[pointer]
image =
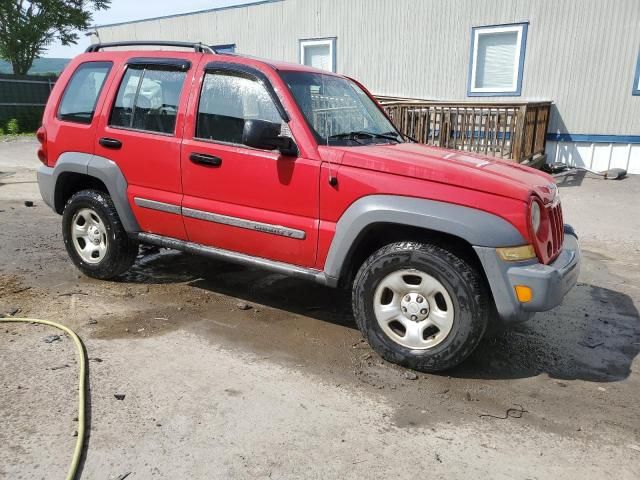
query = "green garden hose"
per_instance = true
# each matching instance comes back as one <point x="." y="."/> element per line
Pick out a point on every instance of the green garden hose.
<point x="82" y="380"/>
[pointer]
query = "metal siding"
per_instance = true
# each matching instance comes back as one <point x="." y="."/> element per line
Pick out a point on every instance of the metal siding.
<point x="580" y="53"/>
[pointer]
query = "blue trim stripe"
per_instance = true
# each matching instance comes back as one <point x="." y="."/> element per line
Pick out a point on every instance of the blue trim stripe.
<point x="175" y="15"/>
<point x="523" y="49"/>
<point x="590" y="138"/>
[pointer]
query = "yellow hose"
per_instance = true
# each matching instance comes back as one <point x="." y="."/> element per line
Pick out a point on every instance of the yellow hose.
<point x="71" y="475"/>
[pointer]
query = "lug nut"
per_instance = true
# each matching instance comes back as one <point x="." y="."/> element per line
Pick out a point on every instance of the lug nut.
<point x="407" y="298"/>
<point x="423" y="311"/>
<point x="414" y="318"/>
<point x="404" y="309"/>
<point x="419" y="299"/>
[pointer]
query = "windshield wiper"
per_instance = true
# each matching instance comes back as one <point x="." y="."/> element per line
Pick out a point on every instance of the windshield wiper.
<point x="363" y="134"/>
<point x="402" y="135"/>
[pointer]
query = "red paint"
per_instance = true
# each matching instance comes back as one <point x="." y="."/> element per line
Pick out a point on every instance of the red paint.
<point x="264" y="186"/>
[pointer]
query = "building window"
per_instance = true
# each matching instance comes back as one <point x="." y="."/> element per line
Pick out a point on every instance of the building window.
<point x="636" y="79"/>
<point x="319" y="53"/>
<point x="228" y="48"/>
<point x="497" y="60"/>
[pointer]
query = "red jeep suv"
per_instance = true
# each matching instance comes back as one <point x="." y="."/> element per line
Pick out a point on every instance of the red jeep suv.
<point x="301" y="172"/>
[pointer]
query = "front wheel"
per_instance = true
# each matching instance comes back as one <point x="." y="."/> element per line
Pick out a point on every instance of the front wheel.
<point x="420" y="306"/>
<point x="94" y="236"/>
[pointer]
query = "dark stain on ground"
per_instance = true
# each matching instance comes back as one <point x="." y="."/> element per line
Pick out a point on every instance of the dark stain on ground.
<point x="594" y="335"/>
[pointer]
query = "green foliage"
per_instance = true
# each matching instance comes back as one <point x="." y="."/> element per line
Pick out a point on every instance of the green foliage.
<point x="13" y="128"/>
<point x="27" y="28"/>
<point x="1" y="131"/>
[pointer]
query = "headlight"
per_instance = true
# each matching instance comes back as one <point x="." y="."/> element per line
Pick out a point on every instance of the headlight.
<point x="535" y="216"/>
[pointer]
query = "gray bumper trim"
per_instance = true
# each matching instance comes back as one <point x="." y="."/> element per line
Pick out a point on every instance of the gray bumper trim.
<point x="550" y="283"/>
<point x="46" y="183"/>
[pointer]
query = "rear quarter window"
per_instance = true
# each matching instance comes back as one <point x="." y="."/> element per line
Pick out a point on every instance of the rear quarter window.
<point x="81" y="94"/>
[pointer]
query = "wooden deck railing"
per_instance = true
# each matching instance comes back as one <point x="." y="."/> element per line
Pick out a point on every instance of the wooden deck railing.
<point x="514" y="131"/>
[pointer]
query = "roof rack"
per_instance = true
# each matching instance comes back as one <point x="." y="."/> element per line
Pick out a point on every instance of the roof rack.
<point x="198" y="47"/>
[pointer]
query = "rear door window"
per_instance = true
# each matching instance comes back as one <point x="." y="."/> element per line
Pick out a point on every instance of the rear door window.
<point x="148" y="99"/>
<point x="81" y="95"/>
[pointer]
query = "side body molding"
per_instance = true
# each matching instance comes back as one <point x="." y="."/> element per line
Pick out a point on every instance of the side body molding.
<point x="475" y="226"/>
<point x="95" y="166"/>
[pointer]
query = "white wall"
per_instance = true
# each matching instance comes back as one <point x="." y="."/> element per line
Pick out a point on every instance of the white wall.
<point x="595" y="156"/>
<point x="581" y="54"/>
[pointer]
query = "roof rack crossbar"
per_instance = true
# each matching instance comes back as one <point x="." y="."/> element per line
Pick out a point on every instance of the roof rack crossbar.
<point x="198" y="47"/>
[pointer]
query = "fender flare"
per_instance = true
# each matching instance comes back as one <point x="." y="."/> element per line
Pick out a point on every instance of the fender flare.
<point x="105" y="170"/>
<point x="475" y="226"/>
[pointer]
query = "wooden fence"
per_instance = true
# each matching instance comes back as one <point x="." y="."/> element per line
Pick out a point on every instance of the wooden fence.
<point x="24" y="97"/>
<point x="515" y="131"/>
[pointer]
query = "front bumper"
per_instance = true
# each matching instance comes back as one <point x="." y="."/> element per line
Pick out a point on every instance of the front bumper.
<point x="549" y="283"/>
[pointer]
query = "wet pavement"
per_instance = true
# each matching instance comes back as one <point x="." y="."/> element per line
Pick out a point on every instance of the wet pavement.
<point x="176" y="317"/>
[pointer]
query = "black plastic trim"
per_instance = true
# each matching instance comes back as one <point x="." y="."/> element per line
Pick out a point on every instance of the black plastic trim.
<point x="177" y="63"/>
<point x="197" y="47"/>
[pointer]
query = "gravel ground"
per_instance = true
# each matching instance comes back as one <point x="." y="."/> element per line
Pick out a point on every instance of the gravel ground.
<point x="287" y="388"/>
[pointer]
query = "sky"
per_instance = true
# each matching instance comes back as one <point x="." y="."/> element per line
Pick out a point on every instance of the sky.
<point x="127" y="10"/>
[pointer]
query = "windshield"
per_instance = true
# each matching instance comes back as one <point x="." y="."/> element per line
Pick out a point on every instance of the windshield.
<point x="338" y="111"/>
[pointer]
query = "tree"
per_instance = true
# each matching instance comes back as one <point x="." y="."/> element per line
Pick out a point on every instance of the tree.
<point x="27" y="28"/>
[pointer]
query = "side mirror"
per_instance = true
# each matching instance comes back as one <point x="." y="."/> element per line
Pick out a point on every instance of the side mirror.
<point x="266" y="135"/>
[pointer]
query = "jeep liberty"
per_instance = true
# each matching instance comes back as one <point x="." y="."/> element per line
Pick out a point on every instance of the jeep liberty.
<point x="301" y="172"/>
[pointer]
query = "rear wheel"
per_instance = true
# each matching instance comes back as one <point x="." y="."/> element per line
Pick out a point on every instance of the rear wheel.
<point x="420" y="306"/>
<point x="94" y="236"/>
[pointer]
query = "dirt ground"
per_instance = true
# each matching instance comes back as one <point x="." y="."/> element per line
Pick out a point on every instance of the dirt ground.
<point x="287" y="388"/>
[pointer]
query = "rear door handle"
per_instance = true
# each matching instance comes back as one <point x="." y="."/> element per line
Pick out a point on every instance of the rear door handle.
<point x="204" y="159"/>
<point x="111" y="143"/>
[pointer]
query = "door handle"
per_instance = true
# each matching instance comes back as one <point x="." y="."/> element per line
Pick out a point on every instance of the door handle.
<point x="204" y="159"/>
<point x="111" y="143"/>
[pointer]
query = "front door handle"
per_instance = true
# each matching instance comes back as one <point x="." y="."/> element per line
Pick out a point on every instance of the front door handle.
<point x="204" y="159"/>
<point x="111" y="143"/>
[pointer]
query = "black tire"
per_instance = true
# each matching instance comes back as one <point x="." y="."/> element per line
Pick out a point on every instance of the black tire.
<point x="461" y="281"/>
<point x="121" y="251"/>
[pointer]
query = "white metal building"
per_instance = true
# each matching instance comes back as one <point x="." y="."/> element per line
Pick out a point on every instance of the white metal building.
<point x="584" y="55"/>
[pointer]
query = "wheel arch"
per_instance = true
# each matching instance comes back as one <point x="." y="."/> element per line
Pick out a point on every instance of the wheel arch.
<point x="69" y="183"/>
<point x="376" y="220"/>
<point x="376" y="235"/>
<point x="76" y="171"/>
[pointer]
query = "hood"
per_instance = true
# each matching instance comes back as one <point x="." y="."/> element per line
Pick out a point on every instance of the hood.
<point x="453" y="167"/>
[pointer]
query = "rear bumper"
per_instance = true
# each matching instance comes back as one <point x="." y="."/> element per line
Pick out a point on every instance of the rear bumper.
<point x="46" y="184"/>
<point x="549" y="283"/>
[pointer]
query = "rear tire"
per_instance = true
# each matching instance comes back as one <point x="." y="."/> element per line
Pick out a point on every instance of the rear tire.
<point x="420" y="306"/>
<point x="94" y="237"/>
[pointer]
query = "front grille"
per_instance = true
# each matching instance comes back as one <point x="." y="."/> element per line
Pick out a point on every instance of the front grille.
<point x="557" y="230"/>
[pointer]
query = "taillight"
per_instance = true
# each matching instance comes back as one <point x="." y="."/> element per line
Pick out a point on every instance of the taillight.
<point x="41" y="135"/>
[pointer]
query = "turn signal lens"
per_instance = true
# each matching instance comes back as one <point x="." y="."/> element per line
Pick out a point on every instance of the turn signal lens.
<point x="514" y="254"/>
<point x="524" y="293"/>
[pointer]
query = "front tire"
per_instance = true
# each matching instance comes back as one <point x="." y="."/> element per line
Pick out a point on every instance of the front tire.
<point x="94" y="237"/>
<point x="420" y="306"/>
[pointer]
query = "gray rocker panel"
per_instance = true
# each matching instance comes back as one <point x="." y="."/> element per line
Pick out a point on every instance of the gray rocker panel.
<point x="235" y="257"/>
<point x="475" y="226"/>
